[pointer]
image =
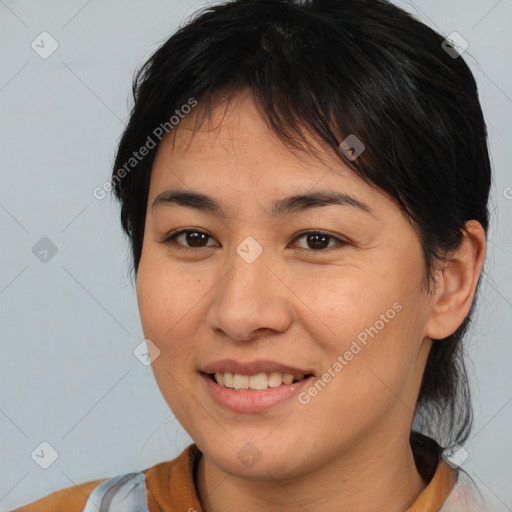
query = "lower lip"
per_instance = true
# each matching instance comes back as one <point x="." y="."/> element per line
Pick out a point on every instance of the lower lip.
<point x="252" y="401"/>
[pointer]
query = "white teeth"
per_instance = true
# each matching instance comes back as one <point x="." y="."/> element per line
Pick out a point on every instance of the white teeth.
<point x="255" y="382"/>
<point x="240" y="381"/>
<point x="228" y="380"/>
<point x="259" y="381"/>
<point x="275" y="379"/>
<point x="287" y="378"/>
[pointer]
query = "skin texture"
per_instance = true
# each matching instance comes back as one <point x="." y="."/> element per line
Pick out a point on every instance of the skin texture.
<point x="347" y="449"/>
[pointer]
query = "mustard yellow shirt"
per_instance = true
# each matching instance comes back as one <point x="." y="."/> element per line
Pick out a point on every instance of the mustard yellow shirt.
<point x="170" y="488"/>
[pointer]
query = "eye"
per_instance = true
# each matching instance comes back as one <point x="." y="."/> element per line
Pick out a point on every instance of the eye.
<point x="318" y="241"/>
<point x="188" y="239"/>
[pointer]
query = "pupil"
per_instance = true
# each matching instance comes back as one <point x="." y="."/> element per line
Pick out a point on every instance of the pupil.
<point x="194" y="238"/>
<point x="318" y="241"/>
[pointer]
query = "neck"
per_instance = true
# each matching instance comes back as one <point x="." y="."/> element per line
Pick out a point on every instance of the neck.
<point x="385" y="479"/>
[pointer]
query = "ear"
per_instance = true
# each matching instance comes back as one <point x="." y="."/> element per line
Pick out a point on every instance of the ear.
<point x="456" y="284"/>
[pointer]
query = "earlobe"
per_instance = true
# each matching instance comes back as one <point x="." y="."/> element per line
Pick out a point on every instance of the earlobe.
<point x="456" y="284"/>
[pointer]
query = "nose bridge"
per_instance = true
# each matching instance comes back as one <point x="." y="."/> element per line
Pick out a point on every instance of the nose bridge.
<point x="249" y="297"/>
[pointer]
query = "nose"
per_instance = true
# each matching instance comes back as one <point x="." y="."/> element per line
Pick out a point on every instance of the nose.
<point x="251" y="300"/>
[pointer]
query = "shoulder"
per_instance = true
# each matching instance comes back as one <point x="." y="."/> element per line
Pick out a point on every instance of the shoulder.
<point x="466" y="496"/>
<point x="170" y="483"/>
<point x="123" y="492"/>
<point x="70" y="499"/>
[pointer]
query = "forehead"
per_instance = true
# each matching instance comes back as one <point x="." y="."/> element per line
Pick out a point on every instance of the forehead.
<point x="233" y="164"/>
<point x="234" y="141"/>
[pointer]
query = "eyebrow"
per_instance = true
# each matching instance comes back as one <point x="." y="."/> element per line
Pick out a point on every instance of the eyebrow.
<point x="279" y="207"/>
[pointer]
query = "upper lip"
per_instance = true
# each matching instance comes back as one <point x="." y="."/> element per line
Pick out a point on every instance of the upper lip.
<point x="253" y="367"/>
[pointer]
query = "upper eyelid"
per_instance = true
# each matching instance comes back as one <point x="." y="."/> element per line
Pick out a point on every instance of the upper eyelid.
<point x="340" y="240"/>
<point x="173" y="235"/>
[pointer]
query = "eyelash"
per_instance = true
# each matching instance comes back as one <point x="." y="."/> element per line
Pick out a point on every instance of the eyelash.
<point x="170" y="240"/>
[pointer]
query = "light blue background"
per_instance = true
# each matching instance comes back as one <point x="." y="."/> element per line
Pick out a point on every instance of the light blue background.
<point x="69" y="326"/>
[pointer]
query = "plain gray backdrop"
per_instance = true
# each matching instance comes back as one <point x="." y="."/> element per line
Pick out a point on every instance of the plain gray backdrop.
<point x="69" y="317"/>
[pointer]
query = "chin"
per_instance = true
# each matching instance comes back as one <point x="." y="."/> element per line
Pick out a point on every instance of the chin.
<point x="261" y="460"/>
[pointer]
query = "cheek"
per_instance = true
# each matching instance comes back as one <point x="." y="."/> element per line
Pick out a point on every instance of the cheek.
<point x="369" y="326"/>
<point x="166" y="297"/>
<point x="364" y="382"/>
<point x="164" y="309"/>
<point x="339" y="302"/>
<point x="161" y="306"/>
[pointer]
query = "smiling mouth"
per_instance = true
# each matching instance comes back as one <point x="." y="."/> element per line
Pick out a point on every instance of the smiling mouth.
<point x="258" y="382"/>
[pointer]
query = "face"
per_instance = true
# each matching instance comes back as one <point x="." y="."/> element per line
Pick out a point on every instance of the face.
<point x="325" y="287"/>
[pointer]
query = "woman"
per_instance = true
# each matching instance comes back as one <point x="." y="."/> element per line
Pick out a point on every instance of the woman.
<point x="304" y="185"/>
